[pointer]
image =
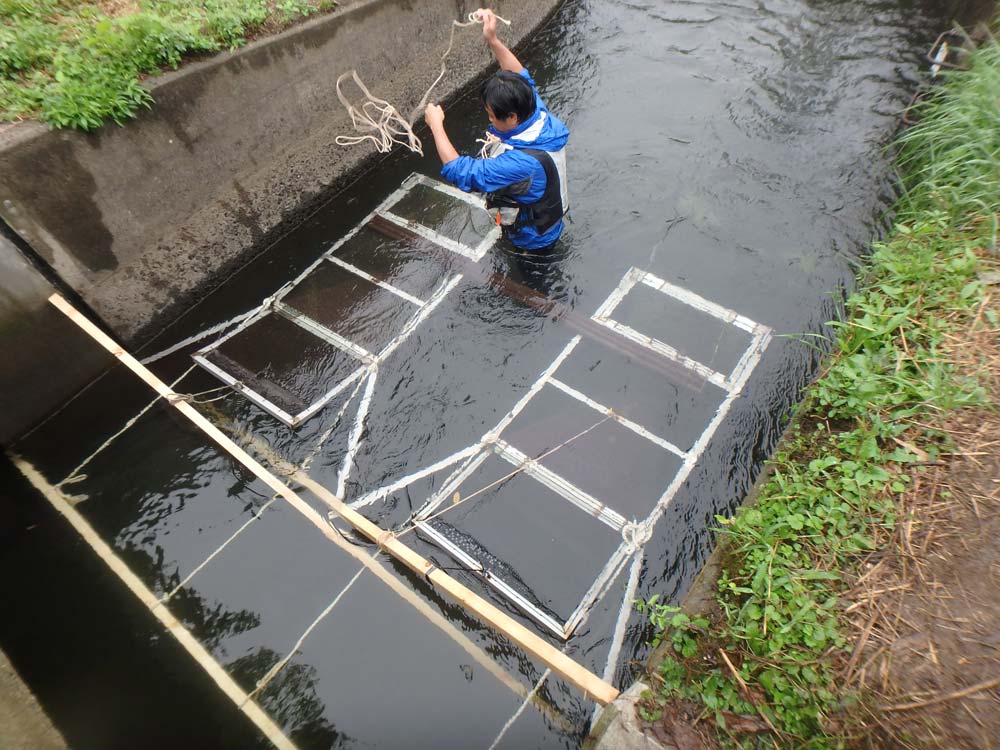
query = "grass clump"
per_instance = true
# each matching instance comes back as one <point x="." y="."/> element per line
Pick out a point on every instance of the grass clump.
<point x="768" y="664"/>
<point x="79" y="63"/>
<point x="951" y="159"/>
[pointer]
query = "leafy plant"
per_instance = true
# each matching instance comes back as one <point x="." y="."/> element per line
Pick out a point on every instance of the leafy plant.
<point x="775" y="648"/>
<point x="69" y="64"/>
<point x="292" y="9"/>
<point x="666" y="618"/>
<point x="26" y="47"/>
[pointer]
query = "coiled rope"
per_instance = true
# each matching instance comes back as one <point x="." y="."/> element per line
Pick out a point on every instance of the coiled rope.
<point x="381" y="123"/>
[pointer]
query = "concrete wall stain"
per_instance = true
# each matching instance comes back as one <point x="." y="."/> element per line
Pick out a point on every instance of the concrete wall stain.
<point x="60" y="197"/>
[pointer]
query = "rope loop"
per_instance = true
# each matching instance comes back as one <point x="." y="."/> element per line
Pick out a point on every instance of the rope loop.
<point x="377" y="119"/>
<point x="381" y="124"/>
<point x="196" y="398"/>
<point x="635" y="534"/>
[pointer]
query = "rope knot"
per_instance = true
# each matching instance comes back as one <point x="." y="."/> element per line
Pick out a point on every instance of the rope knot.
<point x="383" y="538"/>
<point x="635" y="535"/>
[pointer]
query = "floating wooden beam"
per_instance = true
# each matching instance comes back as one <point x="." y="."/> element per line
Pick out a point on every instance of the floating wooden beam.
<point x="188" y="642"/>
<point x="573" y="672"/>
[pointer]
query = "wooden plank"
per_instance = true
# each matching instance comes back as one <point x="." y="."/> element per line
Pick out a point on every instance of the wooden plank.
<point x="286" y="468"/>
<point x="592" y="685"/>
<point x="566" y="667"/>
<point x="102" y="549"/>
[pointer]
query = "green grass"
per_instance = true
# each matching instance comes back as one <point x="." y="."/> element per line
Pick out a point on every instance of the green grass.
<point x="834" y="484"/>
<point x="70" y="64"/>
<point x="951" y="159"/>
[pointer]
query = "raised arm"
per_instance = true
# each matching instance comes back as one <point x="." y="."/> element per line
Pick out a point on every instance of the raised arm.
<point x="503" y="55"/>
<point x="434" y="116"/>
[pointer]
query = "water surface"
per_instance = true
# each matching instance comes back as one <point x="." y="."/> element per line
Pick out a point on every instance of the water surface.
<point x="733" y="148"/>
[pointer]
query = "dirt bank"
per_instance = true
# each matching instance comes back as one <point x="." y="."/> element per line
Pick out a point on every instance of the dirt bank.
<point x="927" y="612"/>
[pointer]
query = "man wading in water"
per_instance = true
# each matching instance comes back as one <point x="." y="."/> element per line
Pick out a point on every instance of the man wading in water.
<point x="524" y="178"/>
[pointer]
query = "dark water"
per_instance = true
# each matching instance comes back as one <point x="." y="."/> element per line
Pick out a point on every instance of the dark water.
<point x="735" y="149"/>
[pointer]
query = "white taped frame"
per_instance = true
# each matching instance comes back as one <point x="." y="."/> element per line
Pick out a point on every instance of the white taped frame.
<point x="733" y="383"/>
<point x="366" y="359"/>
<point x="634" y="533"/>
<point x="531" y="643"/>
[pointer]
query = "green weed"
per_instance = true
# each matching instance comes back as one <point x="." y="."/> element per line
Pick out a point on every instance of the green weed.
<point x="26" y="47"/>
<point x="834" y="483"/>
<point x="66" y="63"/>
<point x="292" y="9"/>
<point x="951" y="159"/>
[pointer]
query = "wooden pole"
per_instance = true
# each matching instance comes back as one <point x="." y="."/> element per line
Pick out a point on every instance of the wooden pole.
<point x="188" y="642"/>
<point x="378" y="568"/>
<point x="561" y="664"/>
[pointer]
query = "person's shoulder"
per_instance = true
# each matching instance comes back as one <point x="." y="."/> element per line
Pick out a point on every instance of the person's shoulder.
<point x="523" y="72"/>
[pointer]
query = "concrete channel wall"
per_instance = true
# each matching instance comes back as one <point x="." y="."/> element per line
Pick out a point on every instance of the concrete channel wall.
<point x="23" y="724"/>
<point x="43" y="361"/>
<point x="144" y="219"/>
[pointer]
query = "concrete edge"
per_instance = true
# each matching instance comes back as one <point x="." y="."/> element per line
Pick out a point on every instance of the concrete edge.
<point x="24" y="725"/>
<point x="18" y="133"/>
<point x="240" y="150"/>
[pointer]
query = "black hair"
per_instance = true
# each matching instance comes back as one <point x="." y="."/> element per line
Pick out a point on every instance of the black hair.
<point x="508" y="94"/>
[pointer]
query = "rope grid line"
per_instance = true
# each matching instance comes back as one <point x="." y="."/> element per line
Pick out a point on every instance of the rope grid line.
<point x="75" y="476"/>
<point x="334" y="423"/>
<point x="255" y="517"/>
<point x="380" y="122"/>
<point x="517" y="470"/>
<point x="196" y="398"/>
<point x="273" y="671"/>
<point x="517" y="714"/>
<point x="199" y="336"/>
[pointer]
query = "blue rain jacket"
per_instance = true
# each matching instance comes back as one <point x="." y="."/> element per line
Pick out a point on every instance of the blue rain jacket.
<point x="540" y="131"/>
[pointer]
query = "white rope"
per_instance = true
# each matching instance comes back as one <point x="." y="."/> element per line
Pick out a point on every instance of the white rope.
<point x="273" y="671"/>
<point x="334" y="423"/>
<point x="488" y="141"/>
<point x="75" y="476"/>
<point x="628" y="601"/>
<point x="197" y="398"/>
<point x="517" y="714"/>
<point x="380" y="122"/>
<point x="198" y="336"/>
<point x="256" y="516"/>
<point x="501" y="480"/>
<point x="473" y="18"/>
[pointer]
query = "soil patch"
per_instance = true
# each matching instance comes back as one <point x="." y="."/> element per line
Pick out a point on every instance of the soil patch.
<point x="927" y="611"/>
<point x="117" y="8"/>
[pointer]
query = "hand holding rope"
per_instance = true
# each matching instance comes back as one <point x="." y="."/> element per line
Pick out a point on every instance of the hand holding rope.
<point x="381" y="123"/>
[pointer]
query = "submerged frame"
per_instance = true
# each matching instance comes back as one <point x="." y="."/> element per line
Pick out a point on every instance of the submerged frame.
<point x="368" y="362"/>
<point x="634" y="533"/>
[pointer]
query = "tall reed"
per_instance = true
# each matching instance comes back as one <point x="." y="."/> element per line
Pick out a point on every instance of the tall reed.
<point x="950" y="160"/>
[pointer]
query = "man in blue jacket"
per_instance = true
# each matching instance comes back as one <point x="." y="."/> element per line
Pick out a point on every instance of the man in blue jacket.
<point x="524" y="177"/>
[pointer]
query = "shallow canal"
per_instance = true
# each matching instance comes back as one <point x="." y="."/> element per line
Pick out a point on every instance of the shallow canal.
<point x="731" y="148"/>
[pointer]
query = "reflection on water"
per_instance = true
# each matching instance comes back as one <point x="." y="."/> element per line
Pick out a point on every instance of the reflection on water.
<point x="733" y="148"/>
